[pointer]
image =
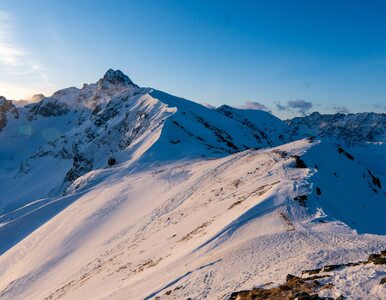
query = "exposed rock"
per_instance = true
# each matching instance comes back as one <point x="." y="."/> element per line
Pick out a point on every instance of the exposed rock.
<point x="47" y="108"/>
<point x="378" y="259"/>
<point x="376" y="180"/>
<point x="312" y="271"/>
<point x="112" y="161"/>
<point x="6" y="106"/>
<point x="302" y="199"/>
<point x="305" y="287"/>
<point x="294" y="288"/>
<point x="342" y="151"/>
<point x="330" y="268"/>
<point x="116" y="77"/>
<point x="80" y="166"/>
<point x="299" y="163"/>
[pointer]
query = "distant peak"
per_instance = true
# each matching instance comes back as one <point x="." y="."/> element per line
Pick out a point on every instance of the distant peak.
<point x="36" y="98"/>
<point x="117" y="76"/>
<point x="315" y="114"/>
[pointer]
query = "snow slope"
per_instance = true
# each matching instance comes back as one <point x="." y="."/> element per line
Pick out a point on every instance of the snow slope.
<point x="199" y="229"/>
<point x="113" y="191"/>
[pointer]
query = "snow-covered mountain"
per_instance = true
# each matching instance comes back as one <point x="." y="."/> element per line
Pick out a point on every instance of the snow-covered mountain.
<point x="356" y="128"/>
<point x="114" y="191"/>
<point x="75" y="131"/>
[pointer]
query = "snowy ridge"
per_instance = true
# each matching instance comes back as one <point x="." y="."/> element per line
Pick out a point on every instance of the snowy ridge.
<point x="123" y="192"/>
<point x="349" y="128"/>
<point x="112" y="121"/>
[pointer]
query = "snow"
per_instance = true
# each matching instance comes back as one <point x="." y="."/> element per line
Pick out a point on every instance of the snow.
<point x="201" y="203"/>
<point x="143" y="233"/>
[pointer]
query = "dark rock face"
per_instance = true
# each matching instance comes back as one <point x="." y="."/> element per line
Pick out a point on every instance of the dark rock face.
<point x="6" y="106"/>
<point x="80" y="166"/>
<point x="299" y="163"/>
<point x="342" y="151"/>
<point x="111" y="162"/>
<point x="376" y="181"/>
<point x="47" y="108"/>
<point x="117" y="76"/>
<point x="301" y="199"/>
<point x="378" y="259"/>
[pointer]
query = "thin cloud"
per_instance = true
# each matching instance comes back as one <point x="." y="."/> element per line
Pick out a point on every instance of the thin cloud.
<point x="380" y="106"/>
<point x="17" y="63"/>
<point x="208" y="105"/>
<point x="280" y="106"/>
<point x="10" y="54"/>
<point x="341" y="109"/>
<point x="299" y="105"/>
<point x="254" y="105"/>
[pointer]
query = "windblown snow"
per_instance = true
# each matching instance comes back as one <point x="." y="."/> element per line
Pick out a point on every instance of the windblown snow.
<point x="114" y="191"/>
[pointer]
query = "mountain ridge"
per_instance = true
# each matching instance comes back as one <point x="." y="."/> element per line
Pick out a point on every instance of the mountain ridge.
<point x="114" y="191"/>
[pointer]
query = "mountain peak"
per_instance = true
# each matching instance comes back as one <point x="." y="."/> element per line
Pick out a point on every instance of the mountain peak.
<point x="2" y="99"/>
<point x="117" y="76"/>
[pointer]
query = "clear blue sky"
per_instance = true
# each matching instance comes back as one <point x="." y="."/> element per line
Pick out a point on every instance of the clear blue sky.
<point x="282" y="54"/>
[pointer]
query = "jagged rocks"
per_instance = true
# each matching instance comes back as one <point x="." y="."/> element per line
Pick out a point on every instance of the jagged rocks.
<point x="378" y="259"/>
<point x="330" y="268"/>
<point x="301" y="199"/>
<point x="116" y="76"/>
<point x="5" y="107"/>
<point x="306" y="288"/>
<point x="80" y="166"/>
<point x="111" y="162"/>
<point x="312" y="271"/>
<point x="299" y="163"/>
<point x="294" y="288"/>
<point x="47" y="108"/>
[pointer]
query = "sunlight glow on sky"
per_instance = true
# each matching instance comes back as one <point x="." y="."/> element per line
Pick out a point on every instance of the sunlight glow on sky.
<point x="288" y="57"/>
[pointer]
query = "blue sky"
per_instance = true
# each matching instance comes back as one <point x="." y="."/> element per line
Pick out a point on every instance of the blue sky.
<point x="293" y="57"/>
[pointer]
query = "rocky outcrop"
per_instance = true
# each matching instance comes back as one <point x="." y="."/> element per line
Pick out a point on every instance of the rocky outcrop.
<point x="306" y="288"/>
<point x="294" y="288"/>
<point x="6" y="107"/>
<point x="116" y="77"/>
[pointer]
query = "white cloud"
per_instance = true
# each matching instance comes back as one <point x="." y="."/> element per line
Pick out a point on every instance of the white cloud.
<point x="9" y="53"/>
<point x="18" y="64"/>
<point x="255" y="105"/>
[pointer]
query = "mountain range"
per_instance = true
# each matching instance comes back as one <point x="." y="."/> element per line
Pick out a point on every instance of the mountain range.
<point x="115" y="191"/>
